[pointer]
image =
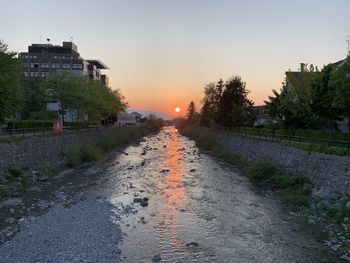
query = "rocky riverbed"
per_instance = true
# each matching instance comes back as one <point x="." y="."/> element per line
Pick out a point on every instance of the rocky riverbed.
<point x="160" y="200"/>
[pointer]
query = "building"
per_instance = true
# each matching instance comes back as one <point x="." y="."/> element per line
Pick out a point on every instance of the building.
<point x="262" y="118"/>
<point x="137" y="116"/>
<point x="125" y="119"/>
<point x="42" y="60"/>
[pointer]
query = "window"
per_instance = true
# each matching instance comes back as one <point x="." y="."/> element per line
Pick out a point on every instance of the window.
<point x="36" y="74"/>
<point x="34" y="56"/>
<point x="54" y="57"/>
<point x="43" y="74"/>
<point x="80" y="66"/>
<point x="63" y="57"/>
<point x="44" y="65"/>
<point x="32" y="74"/>
<point x="75" y="66"/>
<point x="25" y="74"/>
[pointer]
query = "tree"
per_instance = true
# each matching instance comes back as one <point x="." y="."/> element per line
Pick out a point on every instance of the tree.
<point x="211" y="103"/>
<point x="11" y="91"/>
<point x="35" y="97"/>
<point x="340" y="82"/>
<point x="293" y="105"/>
<point x="235" y="109"/>
<point x="68" y="89"/>
<point x="323" y="95"/>
<point x="192" y="114"/>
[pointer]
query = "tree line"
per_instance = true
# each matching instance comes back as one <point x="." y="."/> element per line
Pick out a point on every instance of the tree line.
<point x="224" y="104"/>
<point x="25" y="98"/>
<point x="312" y="98"/>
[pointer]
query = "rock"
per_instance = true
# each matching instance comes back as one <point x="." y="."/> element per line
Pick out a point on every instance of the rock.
<point x="141" y="191"/>
<point x="145" y="199"/>
<point x="192" y="170"/>
<point x="143" y="221"/>
<point x="192" y="244"/>
<point x="43" y="178"/>
<point x="15" y="194"/>
<point x="138" y="200"/>
<point x="156" y="258"/>
<point x="324" y="192"/>
<point x="335" y="248"/>
<point x="348" y="205"/>
<point x="345" y="257"/>
<point x="143" y="203"/>
<point x="143" y="162"/>
<point x="143" y="153"/>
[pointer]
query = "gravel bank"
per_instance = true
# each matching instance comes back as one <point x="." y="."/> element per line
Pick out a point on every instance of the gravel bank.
<point x="83" y="232"/>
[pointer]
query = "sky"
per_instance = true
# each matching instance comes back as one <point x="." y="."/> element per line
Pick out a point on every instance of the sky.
<point x="162" y="53"/>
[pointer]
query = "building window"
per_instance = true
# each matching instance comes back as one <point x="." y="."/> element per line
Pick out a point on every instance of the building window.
<point x="44" y="65"/>
<point x="54" y="57"/>
<point x="80" y="66"/>
<point x="32" y="74"/>
<point x="43" y="74"/>
<point x="25" y="74"/>
<point x="36" y="74"/>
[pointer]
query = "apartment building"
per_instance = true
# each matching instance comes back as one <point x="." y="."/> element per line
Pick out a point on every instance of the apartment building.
<point x="42" y="60"/>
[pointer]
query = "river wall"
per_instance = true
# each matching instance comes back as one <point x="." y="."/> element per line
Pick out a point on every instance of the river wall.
<point x="41" y="151"/>
<point x="329" y="174"/>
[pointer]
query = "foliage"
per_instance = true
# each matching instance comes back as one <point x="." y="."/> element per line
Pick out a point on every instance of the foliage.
<point x="192" y="114"/>
<point x="226" y="104"/>
<point x="340" y="82"/>
<point x="293" y="105"/>
<point x="35" y="98"/>
<point x="154" y="123"/>
<point x="11" y="91"/>
<point x="311" y="98"/>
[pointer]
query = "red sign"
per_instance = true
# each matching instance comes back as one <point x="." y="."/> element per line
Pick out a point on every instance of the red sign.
<point x="57" y="126"/>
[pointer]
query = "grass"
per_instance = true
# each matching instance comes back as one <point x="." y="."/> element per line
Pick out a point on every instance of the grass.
<point x="290" y="187"/>
<point x="320" y="148"/>
<point x="78" y="154"/>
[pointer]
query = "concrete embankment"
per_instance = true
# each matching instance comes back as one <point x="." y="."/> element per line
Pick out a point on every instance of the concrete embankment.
<point x="328" y="173"/>
<point x="41" y="151"/>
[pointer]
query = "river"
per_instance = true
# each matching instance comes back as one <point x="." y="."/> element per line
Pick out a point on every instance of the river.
<point x="199" y="209"/>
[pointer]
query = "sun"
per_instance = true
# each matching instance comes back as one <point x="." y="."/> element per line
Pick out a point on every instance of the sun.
<point x="177" y="109"/>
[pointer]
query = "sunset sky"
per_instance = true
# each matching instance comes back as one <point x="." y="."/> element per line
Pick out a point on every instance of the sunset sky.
<point x="162" y="53"/>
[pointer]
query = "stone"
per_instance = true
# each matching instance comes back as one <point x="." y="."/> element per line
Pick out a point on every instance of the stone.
<point x="348" y="205"/>
<point x="43" y="178"/>
<point x="145" y="199"/>
<point x="192" y="244"/>
<point x="156" y="258"/>
<point x="192" y="170"/>
<point x="143" y="203"/>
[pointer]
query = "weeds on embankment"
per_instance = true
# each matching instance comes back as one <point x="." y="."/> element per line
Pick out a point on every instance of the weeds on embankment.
<point x="78" y="154"/>
<point x="291" y="188"/>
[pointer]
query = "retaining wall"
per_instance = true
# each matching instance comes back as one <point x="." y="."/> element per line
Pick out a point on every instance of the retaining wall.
<point x="40" y="151"/>
<point x="326" y="172"/>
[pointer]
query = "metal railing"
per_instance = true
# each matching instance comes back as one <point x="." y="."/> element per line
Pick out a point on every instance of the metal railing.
<point x="36" y="132"/>
<point x="278" y="137"/>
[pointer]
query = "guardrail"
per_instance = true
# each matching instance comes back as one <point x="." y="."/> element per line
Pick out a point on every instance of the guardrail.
<point x="276" y="137"/>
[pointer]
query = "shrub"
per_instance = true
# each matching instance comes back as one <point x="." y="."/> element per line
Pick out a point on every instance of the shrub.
<point x="73" y="156"/>
<point x="90" y="153"/>
<point x="14" y="172"/>
<point x="4" y="191"/>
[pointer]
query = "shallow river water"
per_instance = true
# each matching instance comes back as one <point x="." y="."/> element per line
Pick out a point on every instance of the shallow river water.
<point x="199" y="210"/>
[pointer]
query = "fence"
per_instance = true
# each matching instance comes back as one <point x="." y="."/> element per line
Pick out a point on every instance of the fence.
<point x="23" y="133"/>
<point x="277" y="137"/>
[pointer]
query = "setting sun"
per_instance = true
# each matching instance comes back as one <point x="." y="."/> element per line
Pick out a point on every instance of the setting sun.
<point x="177" y="109"/>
